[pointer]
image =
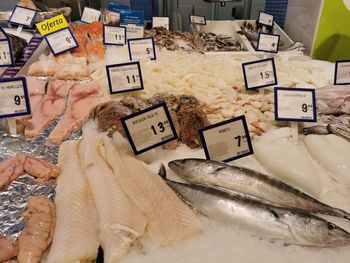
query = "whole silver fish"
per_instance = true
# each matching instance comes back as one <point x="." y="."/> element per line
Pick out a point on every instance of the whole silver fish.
<point x="266" y="220"/>
<point x="318" y="129"/>
<point x="252" y="183"/>
<point x="340" y="129"/>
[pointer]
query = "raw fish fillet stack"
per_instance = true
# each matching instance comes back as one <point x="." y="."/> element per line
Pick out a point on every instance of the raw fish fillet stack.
<point x="51" y="106"/>
<point x="82" y="98"/>
<point x="120" y="222"/>
<point x="75" y="236"/>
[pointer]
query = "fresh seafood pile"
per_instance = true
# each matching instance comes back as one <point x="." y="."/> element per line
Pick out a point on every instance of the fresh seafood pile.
<point x="213" y="42"/>
<point x="177" y="40"/>
<point x="333" y="100"/>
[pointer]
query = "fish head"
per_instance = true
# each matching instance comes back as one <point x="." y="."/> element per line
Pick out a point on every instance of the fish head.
<point x="195" y="170"/>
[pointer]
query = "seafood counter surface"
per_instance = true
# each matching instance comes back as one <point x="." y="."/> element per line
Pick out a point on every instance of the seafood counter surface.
<point x="289" y="200"/>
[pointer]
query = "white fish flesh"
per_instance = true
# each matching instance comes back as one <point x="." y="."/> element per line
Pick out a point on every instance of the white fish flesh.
<point x="333" y="153"/>
<point x="120" y="222"/>
<point x="169" y="219"/>
<point x="76" y="235"/>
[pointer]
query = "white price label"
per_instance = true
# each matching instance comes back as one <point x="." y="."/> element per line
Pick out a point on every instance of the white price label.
<point x="5" y="53"/>
<point x="124" y="77"/>
<point x="160" y="22"/>
<point x="265" y="19"/>
<point x="259" y="74"/>
<point x="90" y="15"/>
<point x="342" y="72"/>
<point x="14" y="98"/>
<point x="227" y="140"/>
<point x="114" y="35"/>
<point x="61" y="41"/>
<point x="268" y="42"/>
<point x="149" y="128"/>
<point x="22" y="16"/>
<point x="295" y="104"/>
<point x="134" y="31"/>
<point x="198" y="20"/>
<point x="140" y="48"/>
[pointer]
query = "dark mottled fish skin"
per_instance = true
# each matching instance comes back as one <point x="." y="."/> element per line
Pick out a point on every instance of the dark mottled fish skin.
<point x="318" y="129"/>
<point x="340" y="129"/>
<point x="291" y="226"/>
<point x="251" y="183"/>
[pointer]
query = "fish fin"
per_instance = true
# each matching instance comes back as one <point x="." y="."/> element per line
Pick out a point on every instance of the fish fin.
<point x="162" y="171"/>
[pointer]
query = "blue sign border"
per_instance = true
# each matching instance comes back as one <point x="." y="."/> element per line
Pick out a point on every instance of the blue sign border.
<point x="257" y="45"/>
<point x="93" y="21"/>
<point x="205" y="20"/>
<point x="256" y="62"/>
<point x="104" y="35"/>
<point x="26" y="97"/>
<point x="161" y="17"/>
<point x="313" y="92"/>
<point x="10" y="48"/>
<point x="122" y="65"/>
<point x="124" y="119"/>
<point x="18" y="24"/>
<point x="142" y="38"/>
<point x="273" y="19"/>
<point x="239" y="118"/>
<point x="48" y="42"/>
<point x="336" y="72"/>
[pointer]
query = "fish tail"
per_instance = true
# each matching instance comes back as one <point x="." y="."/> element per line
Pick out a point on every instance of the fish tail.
<point x="162" y="171"/>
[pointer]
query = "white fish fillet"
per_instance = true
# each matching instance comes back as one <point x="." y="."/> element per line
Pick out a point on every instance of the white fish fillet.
<point x="76" y="234"/>
<point x="120" y="222"/>
<point x="169" y="218"/>
<point x="289" y="163"/>
<point x="333" y="153"/>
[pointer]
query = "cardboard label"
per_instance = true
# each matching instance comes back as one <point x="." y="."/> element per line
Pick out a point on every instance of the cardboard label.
<point x="149" y="128"/>
<point x="265" y="19"/>
<point x="268" y="43"/>
<point x="114" y="35"/>
<point x="140" y="48"/>
<point x="226" y="141"/>
<point x="61" y="41"/>
<point x="160" y="22"/>
<point x="134" y="31"/>
<point x="124" y="77"/>
<point x="51" y="25"/>
<point x="295" y="104"/>
<point x="259" y="74"/>
<point x="14" y="98"/>
<point x="342" y="72"/>
<point x="6" y="57"/>
<point x="198" y="20"/>
<point x="23" y="16"/>
<point x="90" y="15"/>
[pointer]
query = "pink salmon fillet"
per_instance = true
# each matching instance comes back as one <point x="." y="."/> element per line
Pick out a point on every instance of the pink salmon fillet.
<point x="82" y="98"/>
<point x="51" y="106"/>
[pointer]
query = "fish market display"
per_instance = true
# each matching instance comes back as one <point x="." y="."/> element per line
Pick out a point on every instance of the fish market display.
<point x="38" y="230"/>
<point x="75" y="236"/>
<point x="249" y="182"/>
<point x="337" y="159"/>
<point x="169" y="219"/>
<point x="120" y="222"/>
<point x="333" y="100"/>
<point x="8" y="248"/>
<point x="82" y="98"/>
<point x="172" y="41"/>
<point x="12" y="168"/>
<point x="213" y="42"/>
<point x="269" y="221"/>
<point x="337" y="128"/>
<point x="287" y="161"/>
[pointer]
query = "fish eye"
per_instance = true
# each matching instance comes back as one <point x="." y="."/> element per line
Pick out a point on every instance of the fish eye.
<point x="331" y="226"/>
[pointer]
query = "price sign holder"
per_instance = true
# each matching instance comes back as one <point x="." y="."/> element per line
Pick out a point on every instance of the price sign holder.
<point x="6" y="52"/>
<point x="227" y="141"/>
<point x="268" y="43"/>
<point x="118" y="32"/>
<point x="342" y="72"/>
<point x="265" y="19"/>
<point x="22" y="16"/>
<point x="90" y="15"/>
<point x="149" y="128"/>
<point x="58" y="37"/>
<point x="126" y="74"/>
<point x="150" y="50"/>
<point x="198" y="20"/>
<point x="257" y="74"/>
<point x="160" y="21"/>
